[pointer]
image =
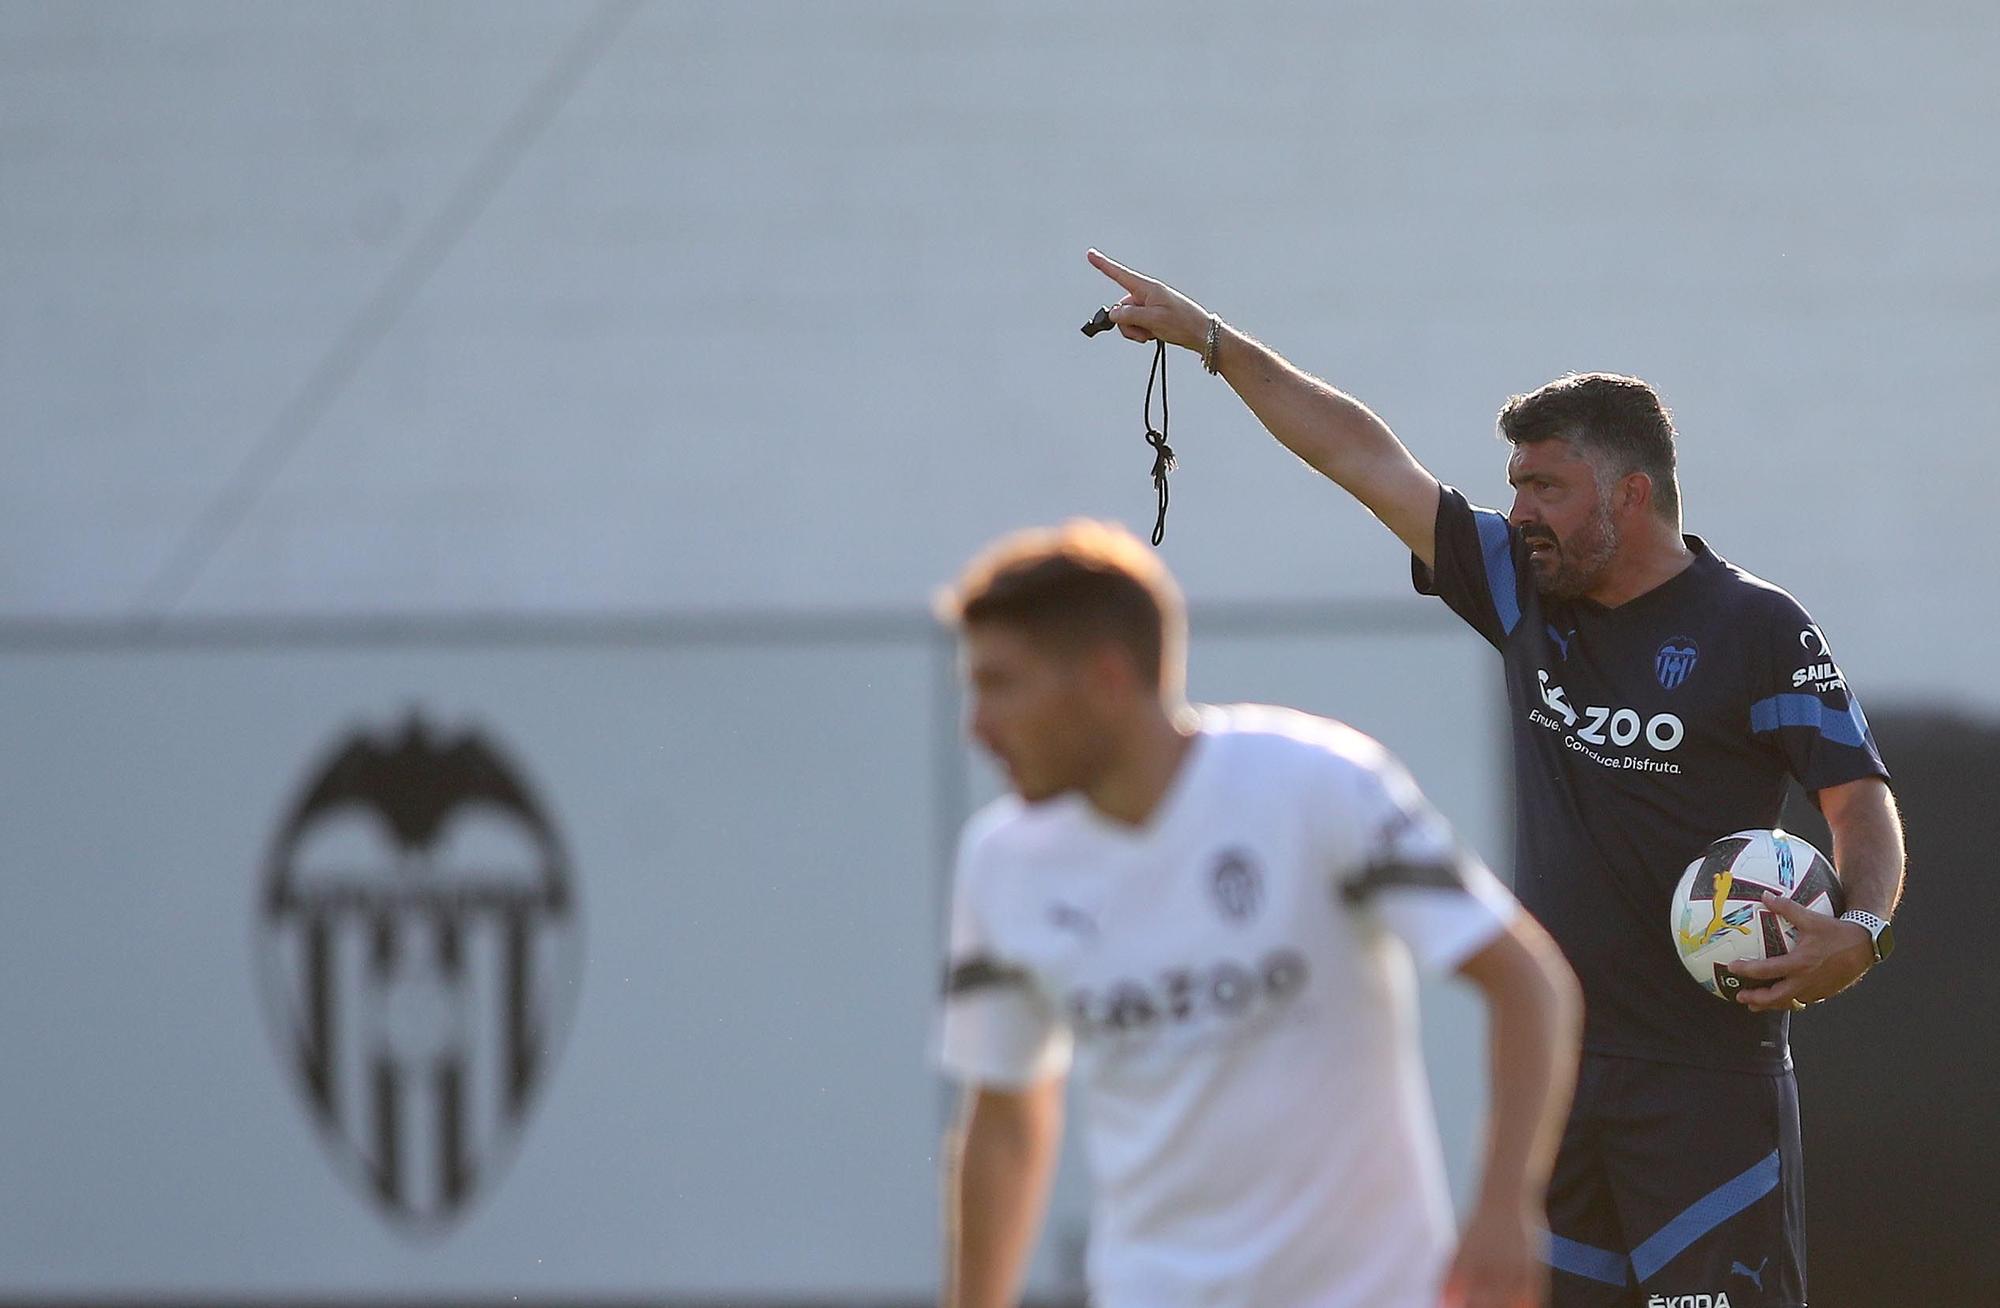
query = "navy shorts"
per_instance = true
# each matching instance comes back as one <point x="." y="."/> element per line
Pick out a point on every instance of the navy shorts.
<point x="1677" y="1186"/>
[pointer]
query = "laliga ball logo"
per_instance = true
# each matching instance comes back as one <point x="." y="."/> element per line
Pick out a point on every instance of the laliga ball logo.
<point x="1718" y="913"/>
<point x="418" y="938"/>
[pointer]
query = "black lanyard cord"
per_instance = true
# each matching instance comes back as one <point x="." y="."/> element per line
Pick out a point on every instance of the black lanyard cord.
<point x="1163" y="453"/>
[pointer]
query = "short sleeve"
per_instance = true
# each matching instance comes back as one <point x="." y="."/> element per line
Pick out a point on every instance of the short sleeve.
<point x="1802" y="706"/>
<point x="1479" y="567"/>
<point x="998" y="1027"/>
<point x="1416" y="880"/>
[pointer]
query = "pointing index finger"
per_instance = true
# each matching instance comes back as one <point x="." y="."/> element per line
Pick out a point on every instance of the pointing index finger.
<point x="1118" y="272"/>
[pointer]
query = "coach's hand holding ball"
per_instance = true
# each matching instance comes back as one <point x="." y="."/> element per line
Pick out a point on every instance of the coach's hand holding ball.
<point x="1827" y="956"/>
<point x="1152" y="310"/>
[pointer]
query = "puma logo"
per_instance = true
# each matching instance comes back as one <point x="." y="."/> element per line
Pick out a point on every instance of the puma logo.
<point x="1756" y="1277"/>
<point x="1719" y="920"/>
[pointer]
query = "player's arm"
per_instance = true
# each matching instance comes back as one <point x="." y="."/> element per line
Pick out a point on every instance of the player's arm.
<point x="1004" y="1041"/>
<point x="1810" y="716"/>
<point x="1333" y="432"/>
<point x="999" y="1158"/>
<point x="1867" y="843"/>
<point x="1830" y="955"/>
<point x="1535" y="1015"/>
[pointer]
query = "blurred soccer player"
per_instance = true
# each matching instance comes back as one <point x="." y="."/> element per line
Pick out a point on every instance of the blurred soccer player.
<point x="1658" y="698"/>
<point x="1205" y="910"/>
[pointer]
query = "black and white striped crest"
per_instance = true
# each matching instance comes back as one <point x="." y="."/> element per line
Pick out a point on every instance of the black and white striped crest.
<point x="418" y="935"/>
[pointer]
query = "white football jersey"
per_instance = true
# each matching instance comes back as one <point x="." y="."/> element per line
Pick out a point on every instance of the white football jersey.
<point x="1233" y="981"/>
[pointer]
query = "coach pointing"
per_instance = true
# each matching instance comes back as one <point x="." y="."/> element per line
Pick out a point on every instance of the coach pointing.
<point x="1659" y="697"/>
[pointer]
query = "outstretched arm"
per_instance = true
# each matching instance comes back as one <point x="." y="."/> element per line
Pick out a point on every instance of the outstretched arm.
<point x="1535" y="1013"/>
<point x="998" y="1164"/>
<point x="1333" y="432"/>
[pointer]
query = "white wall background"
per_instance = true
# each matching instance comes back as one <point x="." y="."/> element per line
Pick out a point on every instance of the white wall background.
<point x="741" y="1101"/>
<point x="676" y="306"/>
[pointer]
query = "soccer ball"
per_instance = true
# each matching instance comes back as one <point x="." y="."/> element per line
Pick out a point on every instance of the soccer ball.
<point x="1719" y="916"/>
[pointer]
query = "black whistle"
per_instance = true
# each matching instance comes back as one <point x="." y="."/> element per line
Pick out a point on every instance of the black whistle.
<point x="1099" y="322"/>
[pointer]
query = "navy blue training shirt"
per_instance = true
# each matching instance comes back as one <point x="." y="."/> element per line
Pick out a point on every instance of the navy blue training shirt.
<point x="1642" y="733"/>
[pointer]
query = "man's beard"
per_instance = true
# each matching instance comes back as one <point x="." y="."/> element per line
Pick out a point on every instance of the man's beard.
<point x="1581" y="559"/>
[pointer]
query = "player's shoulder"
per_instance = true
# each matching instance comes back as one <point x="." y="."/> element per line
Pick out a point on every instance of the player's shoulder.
<point x="1752" y="597"/>
<point x="1009" y="830"/>
<point x="993" y="827"/>
<point x="1454" y="502"/>
<point x="993" y="818"/>
<point x="1255" y="736"/>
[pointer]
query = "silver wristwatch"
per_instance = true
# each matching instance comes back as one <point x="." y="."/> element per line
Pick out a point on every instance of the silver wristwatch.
<point x="1877" y="928"/>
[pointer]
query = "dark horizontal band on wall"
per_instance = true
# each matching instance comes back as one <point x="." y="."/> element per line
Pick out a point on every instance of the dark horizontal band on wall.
<point x="861" y="626"/>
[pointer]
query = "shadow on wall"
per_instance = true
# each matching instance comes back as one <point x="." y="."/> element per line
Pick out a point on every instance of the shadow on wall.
<point x="1897" y="1077"/>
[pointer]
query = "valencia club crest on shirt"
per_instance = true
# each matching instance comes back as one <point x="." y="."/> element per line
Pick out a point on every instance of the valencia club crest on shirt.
<point x="1675" y="660"/>
<point x="1237" y="885"/>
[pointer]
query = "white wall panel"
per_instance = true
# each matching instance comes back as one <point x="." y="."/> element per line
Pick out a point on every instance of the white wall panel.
<point x="742" y="1097"/>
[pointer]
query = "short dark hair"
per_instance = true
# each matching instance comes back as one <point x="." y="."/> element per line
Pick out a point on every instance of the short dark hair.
<point x="1077" y="585"/>
<point x="1617" y="422"/>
